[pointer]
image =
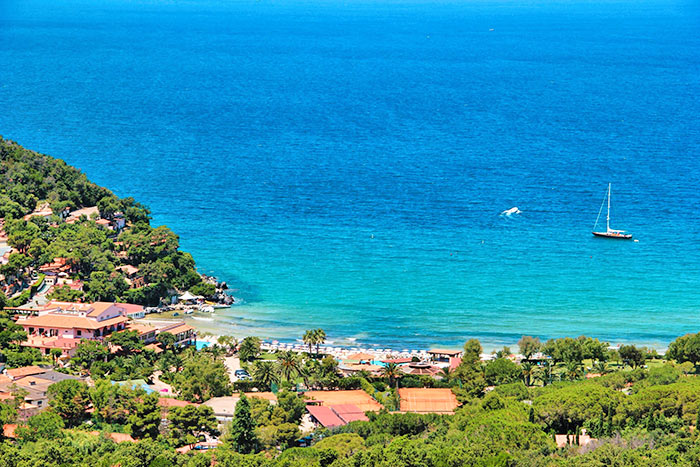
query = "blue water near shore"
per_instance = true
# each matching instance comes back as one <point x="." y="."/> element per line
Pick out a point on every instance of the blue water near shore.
<point x="343" y="164"/>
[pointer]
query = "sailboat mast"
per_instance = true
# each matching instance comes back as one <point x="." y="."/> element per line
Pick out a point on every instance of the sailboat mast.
<point x="609" y="184"/>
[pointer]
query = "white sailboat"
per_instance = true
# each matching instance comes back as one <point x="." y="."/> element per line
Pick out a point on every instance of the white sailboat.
<point x="609" y="233"/>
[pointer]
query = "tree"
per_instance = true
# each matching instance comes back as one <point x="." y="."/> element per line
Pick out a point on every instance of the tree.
<point x="45" y="425"/>
<point x="294" y="406"/>
<point x="631" y="356"/>
<point x="265" y="372"/>
<point x="545" y="373"/>
<point x="601" y="367"/>
<point x="469" y="373"/>
<point x="66" y="294"/>
<point x="528" y="370"/>
<point x="319" y="338"/>
<point x="69" y="399"/>
<point x="202" y="377"/>
<point x="191" y="422"/>
<point x="249" y="349"/>
<point x="529" y="346"/>
<point x="230" y="343"/>
<point x="573" y="370"/>
<point x="204" y="289"/>
<point x="167" y="340"/>
<point x="309" y="338"/>
<point x="685" y="349"/>
<point x="129" y="341"/>
<point x="144" y="421"/>
<point x="112" y="403"/>
<point x="501" y="371"/>
<point x="241" y="434"/>
<point x="392" y="371"/>
<point x="10" y="332"/>
<point x="89" y="352"/>
<point x="289" y="364"/>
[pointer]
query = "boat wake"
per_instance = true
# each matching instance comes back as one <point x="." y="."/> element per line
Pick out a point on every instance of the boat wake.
<point x="511" y="211"/>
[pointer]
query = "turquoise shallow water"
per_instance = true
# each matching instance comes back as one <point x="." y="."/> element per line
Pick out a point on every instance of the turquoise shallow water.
<point x="343" y="165"/>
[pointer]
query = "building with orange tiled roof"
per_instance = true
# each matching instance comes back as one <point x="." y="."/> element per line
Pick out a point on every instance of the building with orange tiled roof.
<point x="75" y="320"/>
<point x="185" y="334"/>
<point x="16" y="373"/>
<point x="428" y="400"/>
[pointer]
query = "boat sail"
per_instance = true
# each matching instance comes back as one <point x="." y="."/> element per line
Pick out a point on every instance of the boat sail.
<point x="609" y="233"/>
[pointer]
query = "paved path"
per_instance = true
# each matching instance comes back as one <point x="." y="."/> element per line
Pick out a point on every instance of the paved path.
<point x="159" y="385"/>
<point x="232" y="364"/>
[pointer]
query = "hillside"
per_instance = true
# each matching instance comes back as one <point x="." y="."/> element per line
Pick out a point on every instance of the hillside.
<point x="56" y="222"/>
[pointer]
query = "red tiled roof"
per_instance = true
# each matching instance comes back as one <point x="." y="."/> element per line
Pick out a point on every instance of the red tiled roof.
<point x="398" y="361"/>
<point x="179" y="329"/>
<point x="24" y="371"/>
<point x="56" y="320"/>
<point x="325" y="416"/>
<point x="155" y="348"/>
<point x="8" y="431"/>
<point x="349" y="413"/>
<point x="170" y="402"/>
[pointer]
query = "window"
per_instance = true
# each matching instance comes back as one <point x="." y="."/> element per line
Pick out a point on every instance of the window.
<point x="80" y="333"/>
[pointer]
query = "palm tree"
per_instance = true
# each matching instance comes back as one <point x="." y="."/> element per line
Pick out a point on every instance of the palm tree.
<point x="309" y="338"/>
<point x="573" y="370"/>
<point x="601" y="367"/>
<point x="393" y="372"/>
<point x="228" y="342"/>
<point x="265" y="372"/>
<point x="289" y="364"/>
<point x="545" y="374"/>
<point x="319" y="338"/>
<point x="528" y="369"/>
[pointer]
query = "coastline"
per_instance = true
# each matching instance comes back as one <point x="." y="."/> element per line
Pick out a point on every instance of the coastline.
<point x="211" y="326"/>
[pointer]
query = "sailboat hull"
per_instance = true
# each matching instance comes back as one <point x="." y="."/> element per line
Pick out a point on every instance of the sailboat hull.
<point x="618" y="236"/>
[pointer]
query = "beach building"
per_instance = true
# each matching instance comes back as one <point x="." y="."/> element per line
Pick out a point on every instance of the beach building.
<point x="444" y="355"/>
<point x="428" y="400"/>
<point x="420" y="369"/>
<point x="185" y="335"/>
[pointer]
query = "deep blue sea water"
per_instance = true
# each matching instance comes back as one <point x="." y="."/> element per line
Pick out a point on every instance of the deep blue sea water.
<point x="343" y="164"/>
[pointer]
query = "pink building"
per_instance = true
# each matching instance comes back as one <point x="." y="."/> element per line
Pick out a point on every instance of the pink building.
<point x="63" y="324"/>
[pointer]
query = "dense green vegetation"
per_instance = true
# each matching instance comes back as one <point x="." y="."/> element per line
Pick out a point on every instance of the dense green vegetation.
<point x="641" y="410"/>
<point x="29" y="180"/>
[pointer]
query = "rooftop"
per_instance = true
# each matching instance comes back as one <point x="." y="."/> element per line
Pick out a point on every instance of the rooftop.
<point x="325" y="416"/>
<point x="450" y="352"/>
<point x="24" y="371"/>
<point x="58" y="320"/>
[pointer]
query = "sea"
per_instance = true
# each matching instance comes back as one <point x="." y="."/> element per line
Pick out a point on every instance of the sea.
<point x="345" y="165"/>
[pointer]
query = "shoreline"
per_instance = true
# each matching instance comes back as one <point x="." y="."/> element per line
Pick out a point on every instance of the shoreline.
<point x="207" y="324"/>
